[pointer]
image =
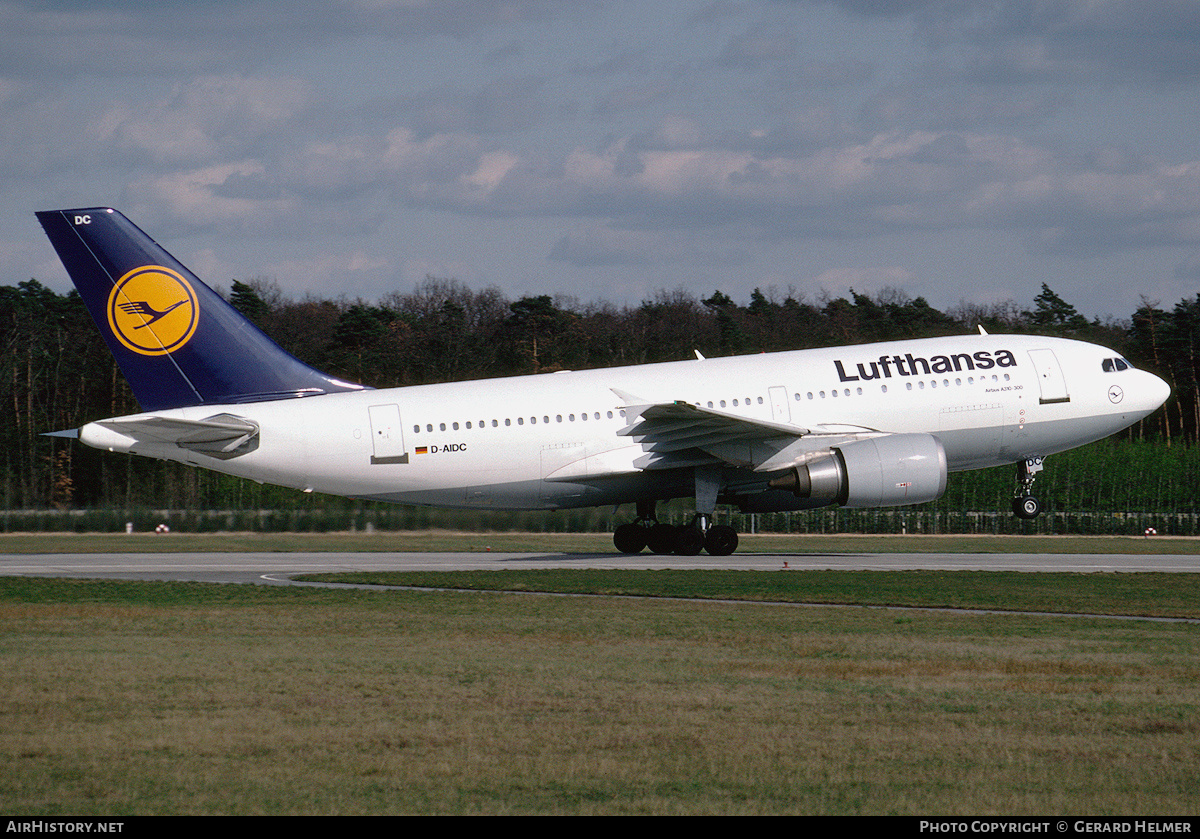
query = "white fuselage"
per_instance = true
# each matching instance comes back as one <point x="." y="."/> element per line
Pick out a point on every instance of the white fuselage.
<point x="551" y="440"/>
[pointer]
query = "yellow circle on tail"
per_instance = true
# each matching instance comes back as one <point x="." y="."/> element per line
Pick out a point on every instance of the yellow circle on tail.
<point x="153" y="310"/>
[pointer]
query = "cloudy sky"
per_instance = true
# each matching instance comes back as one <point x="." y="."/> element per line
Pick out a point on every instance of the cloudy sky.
<point x="962" y="150"/>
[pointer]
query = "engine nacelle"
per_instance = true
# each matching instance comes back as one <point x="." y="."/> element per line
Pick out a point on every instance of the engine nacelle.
<point x="877" y="472"/>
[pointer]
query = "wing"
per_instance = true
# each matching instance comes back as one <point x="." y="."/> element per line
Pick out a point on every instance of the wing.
<point x="682" y="434"/>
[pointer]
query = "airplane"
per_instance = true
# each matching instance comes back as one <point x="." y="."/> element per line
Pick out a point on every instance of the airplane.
<point x="871" y="425"/>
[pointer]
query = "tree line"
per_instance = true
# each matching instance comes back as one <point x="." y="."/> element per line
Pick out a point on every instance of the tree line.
<point x="57" y="373"/>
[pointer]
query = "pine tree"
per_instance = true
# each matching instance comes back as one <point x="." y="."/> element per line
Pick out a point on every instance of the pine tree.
<point x="1052" y="312"/>
<point x="246" y="300"/>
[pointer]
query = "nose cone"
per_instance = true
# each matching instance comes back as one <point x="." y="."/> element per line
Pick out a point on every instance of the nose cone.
<point x="1153" y="392"/>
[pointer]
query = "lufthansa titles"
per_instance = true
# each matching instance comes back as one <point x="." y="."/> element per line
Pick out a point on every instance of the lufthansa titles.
<point x="908" y="364"/>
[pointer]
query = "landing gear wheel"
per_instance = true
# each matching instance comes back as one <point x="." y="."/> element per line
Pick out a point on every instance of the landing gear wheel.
<point x="1026" y="507"/>
<point x="689" y="540"/>
<point x="721" y="540"/>
<point x="661" y="539"/>
<point x="630" y="538"/>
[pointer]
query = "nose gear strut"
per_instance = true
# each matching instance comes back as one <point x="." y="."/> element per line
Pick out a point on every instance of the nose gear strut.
<point x="1024" y="505"/>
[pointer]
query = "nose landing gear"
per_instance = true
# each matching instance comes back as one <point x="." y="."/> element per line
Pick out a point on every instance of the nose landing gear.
<point x="1024" y="505"/>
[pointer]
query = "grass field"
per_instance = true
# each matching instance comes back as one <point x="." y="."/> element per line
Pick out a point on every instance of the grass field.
<point x="1144" y="594"/>
<point x="128" y="698"/>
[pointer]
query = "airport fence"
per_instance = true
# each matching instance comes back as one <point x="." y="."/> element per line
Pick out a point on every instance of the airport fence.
<point x="836" y="520"/>
<point x="912" y="520"/>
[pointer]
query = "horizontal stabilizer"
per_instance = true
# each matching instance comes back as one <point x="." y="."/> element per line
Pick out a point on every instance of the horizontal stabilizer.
<point x="222" y="436"/>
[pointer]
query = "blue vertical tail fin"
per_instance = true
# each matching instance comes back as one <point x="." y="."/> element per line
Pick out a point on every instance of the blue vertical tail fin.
<point x="176" y="340"/>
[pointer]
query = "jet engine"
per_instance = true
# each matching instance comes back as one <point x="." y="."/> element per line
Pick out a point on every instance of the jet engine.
<point x="881" y="471"/>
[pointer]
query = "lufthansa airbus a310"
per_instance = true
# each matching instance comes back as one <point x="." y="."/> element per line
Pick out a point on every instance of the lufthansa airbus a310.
<point x="873" y="425"/>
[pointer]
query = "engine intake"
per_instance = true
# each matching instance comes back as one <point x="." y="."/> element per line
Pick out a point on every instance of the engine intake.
<point x="882" y="471"/>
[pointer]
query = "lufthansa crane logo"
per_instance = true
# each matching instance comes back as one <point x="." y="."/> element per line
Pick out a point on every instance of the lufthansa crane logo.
<point x="152" y="310"/>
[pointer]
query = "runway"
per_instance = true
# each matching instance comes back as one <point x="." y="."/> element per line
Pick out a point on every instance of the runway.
<point x="278" y="568"/>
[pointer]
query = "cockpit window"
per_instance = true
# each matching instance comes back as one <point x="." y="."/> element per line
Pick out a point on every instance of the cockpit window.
<point x="1114" y="365"/>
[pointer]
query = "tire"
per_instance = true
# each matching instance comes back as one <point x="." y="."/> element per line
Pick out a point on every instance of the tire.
<point x="630" y="538"/>
<point x="689" y="541"/>
<point x="721" y="540"/>
<point x="1026" y="507"/>
<point x="660" y="539"/>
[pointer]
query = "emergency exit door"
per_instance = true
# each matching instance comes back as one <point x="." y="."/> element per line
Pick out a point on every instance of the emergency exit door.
<point x="1050" y="377"/>
<point x="387" y="435"/>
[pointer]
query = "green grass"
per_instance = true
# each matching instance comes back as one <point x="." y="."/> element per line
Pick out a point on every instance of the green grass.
<point x="1146" y="594"/>
<point x="126" y="698"/>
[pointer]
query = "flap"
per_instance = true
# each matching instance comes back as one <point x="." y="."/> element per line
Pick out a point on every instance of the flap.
<point x="680" y="434"/>
<point x="676" y="435"/>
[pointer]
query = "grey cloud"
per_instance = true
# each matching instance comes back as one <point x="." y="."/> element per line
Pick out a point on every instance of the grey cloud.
<point x="1188" y="270"/>
<point x="1070" y="41"/>
<point x="759" y="45"/>
<point x="895" y="182"/>
<point x="205" y="119"/>
<point x="603" y="246"/>
<point x="141" y="38"/>
<point x="502" y="106"/>
<point x="953" y="106"/>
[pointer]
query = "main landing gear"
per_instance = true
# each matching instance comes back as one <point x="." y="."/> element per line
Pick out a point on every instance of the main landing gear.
<point x="685" y="540"/>
<point x="1024" y="505"/>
